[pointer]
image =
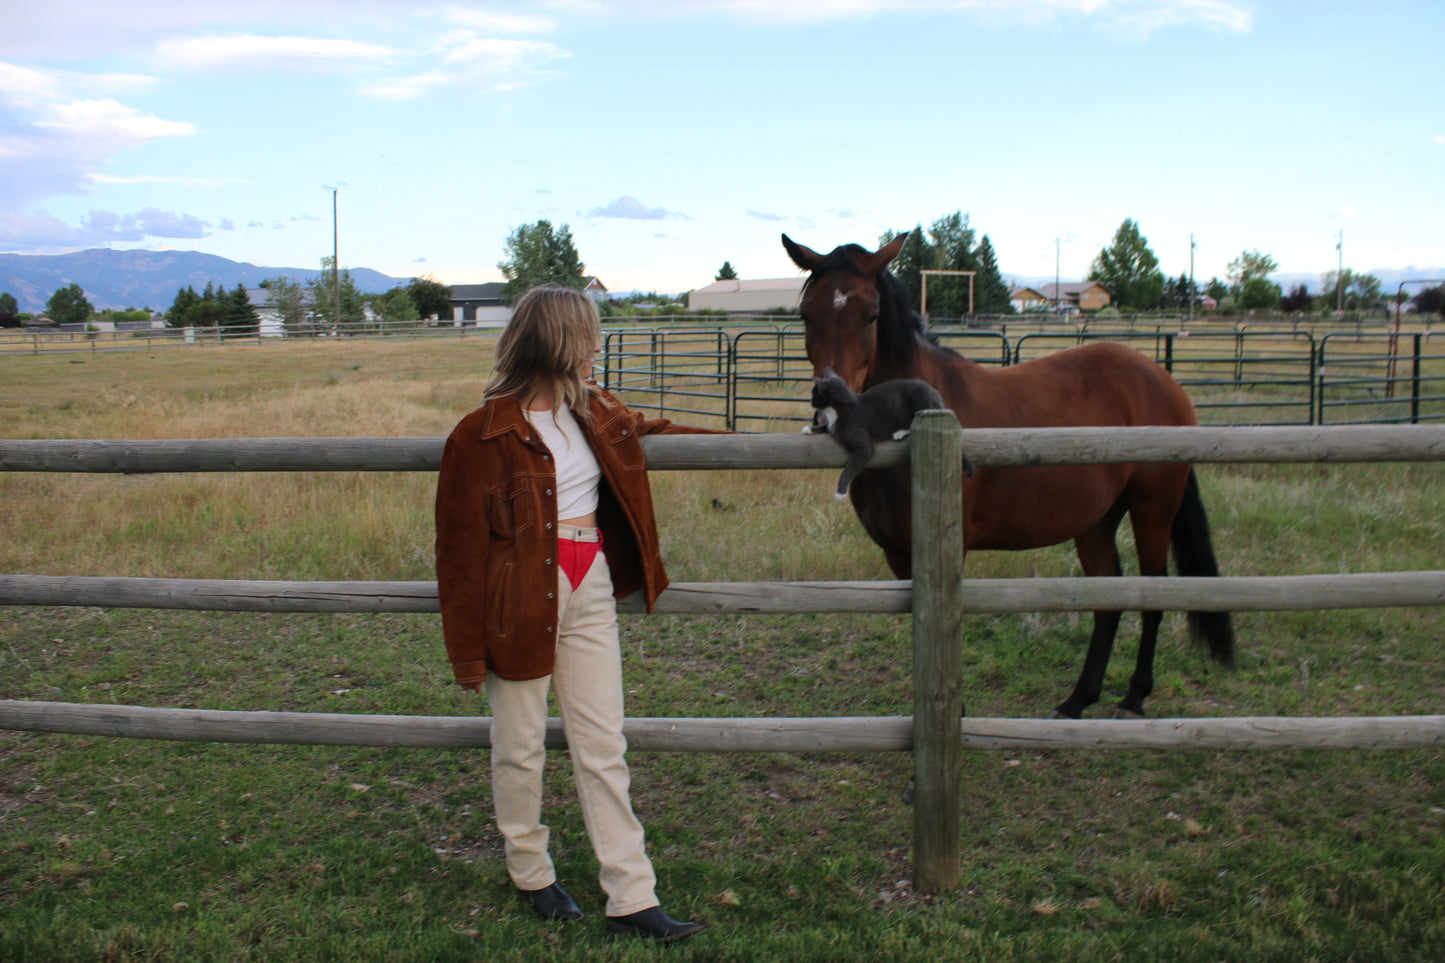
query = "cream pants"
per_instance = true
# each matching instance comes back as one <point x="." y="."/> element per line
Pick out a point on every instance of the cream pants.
<point x="587" y="680"/>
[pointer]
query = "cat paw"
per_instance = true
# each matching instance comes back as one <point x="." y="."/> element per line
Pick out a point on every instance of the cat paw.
<point x="900" y="434"/>
<point x="839" y="496"/>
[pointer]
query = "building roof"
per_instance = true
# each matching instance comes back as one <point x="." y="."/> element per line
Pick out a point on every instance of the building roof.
<point x="1070" y="287"/>
<point x="765" y="284"/>
<point x="491" y="291"/>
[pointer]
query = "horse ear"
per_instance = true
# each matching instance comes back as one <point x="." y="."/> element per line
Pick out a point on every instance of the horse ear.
<point x="881" y="258"/>
<point x="804" y="257"/>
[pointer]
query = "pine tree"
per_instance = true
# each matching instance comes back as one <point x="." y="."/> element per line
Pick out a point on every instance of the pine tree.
<point x="991" y="293"/>
<point x="240" y="316"/>
<point x="1129" y="270"/>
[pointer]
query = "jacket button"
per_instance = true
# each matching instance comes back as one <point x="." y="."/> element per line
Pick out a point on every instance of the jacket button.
<point x="549" y="630"/>
<point x="548" y="562"/>
<point x="549" y="491"/>
<point x="549" y="526"/>
<point x="551" y="595"/>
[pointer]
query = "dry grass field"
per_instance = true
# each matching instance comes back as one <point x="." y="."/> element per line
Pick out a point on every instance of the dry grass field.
<point x="115" y="849"/>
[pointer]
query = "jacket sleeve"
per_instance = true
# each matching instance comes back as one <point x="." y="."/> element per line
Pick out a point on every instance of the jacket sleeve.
<point x="461" y="556"/>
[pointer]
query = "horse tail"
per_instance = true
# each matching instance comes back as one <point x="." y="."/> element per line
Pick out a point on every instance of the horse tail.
<point x="1194" y="556"/>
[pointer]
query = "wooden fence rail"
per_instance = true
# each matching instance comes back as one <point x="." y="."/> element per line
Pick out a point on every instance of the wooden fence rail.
<point x="835" y="734"/>
<point x="1276" y="593"/>
<point x="986" y="447"/>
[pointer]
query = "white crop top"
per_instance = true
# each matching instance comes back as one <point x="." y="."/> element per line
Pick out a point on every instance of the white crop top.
<point x="577" y="470"/>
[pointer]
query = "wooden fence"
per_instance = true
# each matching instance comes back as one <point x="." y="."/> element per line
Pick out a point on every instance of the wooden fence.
<point x="939" y="598"/>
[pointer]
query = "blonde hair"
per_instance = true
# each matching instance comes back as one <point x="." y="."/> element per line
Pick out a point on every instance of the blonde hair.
<point x="553" y="332"/>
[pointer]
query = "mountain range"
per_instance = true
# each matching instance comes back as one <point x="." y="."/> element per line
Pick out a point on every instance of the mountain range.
<point x="146" y="279"/>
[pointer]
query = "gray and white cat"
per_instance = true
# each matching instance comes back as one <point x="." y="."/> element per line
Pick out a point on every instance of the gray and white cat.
<point x="859" y="422"/>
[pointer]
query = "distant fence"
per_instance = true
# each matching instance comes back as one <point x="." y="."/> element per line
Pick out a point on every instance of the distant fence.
<point x="938" y="599"/>
<point x="46" y="341"/>
<point x="754" y="378"/>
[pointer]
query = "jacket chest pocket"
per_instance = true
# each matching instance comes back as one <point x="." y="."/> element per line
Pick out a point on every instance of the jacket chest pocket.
<point x="511" y="510"/>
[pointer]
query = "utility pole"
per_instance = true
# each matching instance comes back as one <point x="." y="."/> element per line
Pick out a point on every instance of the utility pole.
<point x="335" y="262"/>
<point x="1191" y="277"/>
<point x="335" y="257"/>
<point x="1056" y="275"/>
<point x="1340" y="275"/>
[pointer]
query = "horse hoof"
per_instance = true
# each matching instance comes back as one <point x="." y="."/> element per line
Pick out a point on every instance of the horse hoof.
<point x="1121" y="713"/>
<point x="1056" y="714"/>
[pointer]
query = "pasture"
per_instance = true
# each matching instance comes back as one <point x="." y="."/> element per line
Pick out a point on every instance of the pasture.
<point x="129" y="850"/>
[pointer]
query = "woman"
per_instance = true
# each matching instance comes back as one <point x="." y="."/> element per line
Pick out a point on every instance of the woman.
<point x="544" y="516"/>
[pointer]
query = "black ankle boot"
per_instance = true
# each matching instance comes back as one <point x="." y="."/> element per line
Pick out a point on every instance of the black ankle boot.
<point x="652" y="924"/>
<point x="552" y="903"/>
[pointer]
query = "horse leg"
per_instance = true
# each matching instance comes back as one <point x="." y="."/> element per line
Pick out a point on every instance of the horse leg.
<point x="1099" y="556"/>
<point x="1152" y="518"/>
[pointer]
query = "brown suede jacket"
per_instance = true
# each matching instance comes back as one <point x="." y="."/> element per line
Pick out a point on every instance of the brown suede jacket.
<point x="496" y="545"/>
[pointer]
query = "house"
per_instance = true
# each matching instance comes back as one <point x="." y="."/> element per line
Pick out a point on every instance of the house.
<point x="1077" y="295"/>
<point x="1026" y="299"/>
<point x="479" y="304"/>
<point x="770" y="294"/>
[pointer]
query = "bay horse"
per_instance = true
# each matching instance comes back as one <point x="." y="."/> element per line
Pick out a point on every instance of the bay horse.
<point x="858" y="321"/>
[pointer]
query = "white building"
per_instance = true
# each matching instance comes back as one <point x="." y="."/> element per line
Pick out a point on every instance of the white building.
<point x="769" y="294"/>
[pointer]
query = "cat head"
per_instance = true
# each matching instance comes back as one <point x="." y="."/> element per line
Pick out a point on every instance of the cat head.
<point x="830" y="389"/>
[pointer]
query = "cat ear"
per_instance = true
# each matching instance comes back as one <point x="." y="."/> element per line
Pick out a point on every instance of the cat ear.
<point x="829" y="373"/>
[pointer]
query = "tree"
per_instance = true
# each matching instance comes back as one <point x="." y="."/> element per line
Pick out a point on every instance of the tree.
<point x="69" y="306"/>
<point x="726" y="272"/>
<point x="395" y="306"/>
<point x="1178" y="293"/>
<point x="324" y="299"/>
<point x="289" y="301"/>
<point x="952" y="240"/>
<point x="1250" y="264"/>
<point x="538" y="255"/>
<point x="1430" y="301"/>
<point x="8" y="310"/>
<point x="1217" y="289"/>
<point x="991" y="295"/>
<point x="432" y="298"/>
<point x="1359" y="292"/>
<point x="1258" y="293"/>
<point x="915" y="256"/>
<point x="179" y="314"/>
<point x="238" y="314"/>
<point x="1299" y="300"/>
<point x="1129" y="270"/>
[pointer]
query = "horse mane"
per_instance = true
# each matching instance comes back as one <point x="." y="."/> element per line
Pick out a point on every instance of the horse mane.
<point x="900" y="328"/>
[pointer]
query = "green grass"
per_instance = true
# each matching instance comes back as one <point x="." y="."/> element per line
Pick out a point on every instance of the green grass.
<point x="114" y="849"/>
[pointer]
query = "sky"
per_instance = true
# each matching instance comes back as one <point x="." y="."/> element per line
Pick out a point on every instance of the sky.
<point x="673" y="135"/>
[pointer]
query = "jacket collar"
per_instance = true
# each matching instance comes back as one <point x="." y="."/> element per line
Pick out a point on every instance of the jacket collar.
<point x="502" y="415"/>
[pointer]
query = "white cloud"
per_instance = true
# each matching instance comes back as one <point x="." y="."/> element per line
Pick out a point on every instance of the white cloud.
<point x="202" y="182"/>
<point x="1130" y="17"/>
<point x="493" y="22"/>
<point x="476" y="64"/>
<point x="211" y="52"/>
<point x="53" y="144"/>
<point x="764" y="216"/>
<point x="36" y="231"/>
<point x="632" y="209"/>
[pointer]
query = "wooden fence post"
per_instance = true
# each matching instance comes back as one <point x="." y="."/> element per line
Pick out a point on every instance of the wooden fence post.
<point x="936" y="477"/>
